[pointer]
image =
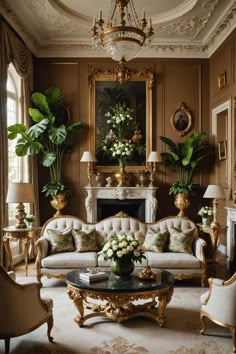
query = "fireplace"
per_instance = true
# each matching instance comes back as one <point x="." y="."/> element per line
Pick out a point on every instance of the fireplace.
<point x="231" y="239"/>
<point x="132" y="207"/>
<point x="140" y="202"/>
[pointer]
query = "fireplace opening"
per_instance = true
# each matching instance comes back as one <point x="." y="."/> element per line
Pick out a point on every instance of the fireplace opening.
<point x="110" y="207"/>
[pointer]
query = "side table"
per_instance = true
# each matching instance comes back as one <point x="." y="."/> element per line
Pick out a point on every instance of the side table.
<point x="14" y="234"/>
<point x="214" y="240"/>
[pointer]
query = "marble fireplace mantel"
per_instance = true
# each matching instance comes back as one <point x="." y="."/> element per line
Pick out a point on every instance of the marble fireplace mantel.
<point x="121" y="193"/>
<point x="231" y="236"/>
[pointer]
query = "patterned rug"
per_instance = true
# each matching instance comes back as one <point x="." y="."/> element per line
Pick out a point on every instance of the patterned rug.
<point x="136" y="336"/>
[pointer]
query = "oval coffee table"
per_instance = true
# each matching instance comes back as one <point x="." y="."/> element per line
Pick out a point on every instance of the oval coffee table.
<point x="118" y="296"/>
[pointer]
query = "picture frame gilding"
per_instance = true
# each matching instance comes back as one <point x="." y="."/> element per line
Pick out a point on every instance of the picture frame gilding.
<point x="135" y="87"/>
<point x="181" y="119"/>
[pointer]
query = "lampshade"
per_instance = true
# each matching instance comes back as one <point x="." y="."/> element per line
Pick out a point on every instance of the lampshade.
<point x="88" y="156"/>
<point x="20" y="193"/>
<point x="214" y="191"/>
<point x="154" y="156"/>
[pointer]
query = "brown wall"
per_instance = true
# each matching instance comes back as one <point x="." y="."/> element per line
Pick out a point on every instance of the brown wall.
<point x="224" y="62"/>
<point x="176" y="80"/>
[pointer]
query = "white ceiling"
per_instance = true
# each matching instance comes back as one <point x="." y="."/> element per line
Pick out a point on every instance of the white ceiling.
<point x="62" y="28"/>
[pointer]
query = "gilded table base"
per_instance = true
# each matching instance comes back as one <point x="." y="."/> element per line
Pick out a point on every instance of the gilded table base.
<point x="120" y="306"/>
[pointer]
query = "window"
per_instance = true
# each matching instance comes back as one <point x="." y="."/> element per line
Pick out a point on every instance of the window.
<point x="17" y="166"/>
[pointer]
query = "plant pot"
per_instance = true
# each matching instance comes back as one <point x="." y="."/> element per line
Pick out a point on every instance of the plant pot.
<point x="59" y="202"/>
<point x="122" y="267"/>
<point x="181" y="202"/>
<point x="205" y="221"/>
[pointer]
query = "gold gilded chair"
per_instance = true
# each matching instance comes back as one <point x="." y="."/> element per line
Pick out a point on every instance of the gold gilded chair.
<point x="22" y="310"/>
<point x="219" y="305"/>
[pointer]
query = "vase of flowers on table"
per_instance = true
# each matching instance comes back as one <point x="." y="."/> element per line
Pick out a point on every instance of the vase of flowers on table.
<point x="206" y="213"/>
<point x="123" y="251"/>
<point x="30" y="219"/>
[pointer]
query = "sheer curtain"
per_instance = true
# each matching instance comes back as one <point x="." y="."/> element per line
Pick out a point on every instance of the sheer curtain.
<point x="13" y="50"/>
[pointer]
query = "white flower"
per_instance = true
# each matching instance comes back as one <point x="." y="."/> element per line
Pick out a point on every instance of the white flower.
<point x="136" y="253"/>
<point x="110" y="253"/>
<point x="119" y="254"/>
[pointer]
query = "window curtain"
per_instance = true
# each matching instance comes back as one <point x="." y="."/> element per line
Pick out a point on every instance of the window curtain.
<point x="12" y="49"/>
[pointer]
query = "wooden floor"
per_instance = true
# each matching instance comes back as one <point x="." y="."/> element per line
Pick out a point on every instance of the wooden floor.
<point x="220" y="269"/>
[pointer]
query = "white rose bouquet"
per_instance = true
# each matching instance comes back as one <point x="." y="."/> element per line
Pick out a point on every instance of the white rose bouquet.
<point x="123" y="246"/>
<point x="122" y="150"/>
<point x="119" y="117"/>
<point x="30" y="218"/>
<point x="206" y="212"/>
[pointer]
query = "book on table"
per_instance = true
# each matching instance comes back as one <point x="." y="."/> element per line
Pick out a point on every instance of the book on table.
<point x="93" y="276"/>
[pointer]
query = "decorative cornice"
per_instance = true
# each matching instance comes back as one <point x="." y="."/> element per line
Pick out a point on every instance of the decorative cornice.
<point x="165" y="48"/>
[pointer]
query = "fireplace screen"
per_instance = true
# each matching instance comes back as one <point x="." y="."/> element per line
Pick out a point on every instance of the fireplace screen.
<point x="110" y="207"/>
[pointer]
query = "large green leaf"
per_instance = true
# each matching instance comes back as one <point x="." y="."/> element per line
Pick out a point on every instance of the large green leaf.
<point x="16" y="129"/>
<point x="40" y="102"/>
<point x="173" y="147"/>
<point x="48" y="159"/>
<point x="54" y="98"/>
<point x="36" y="115"/>
<point x="27" y="147"/>
<point x="38" y="129"/>
<point x="58" y="135"/>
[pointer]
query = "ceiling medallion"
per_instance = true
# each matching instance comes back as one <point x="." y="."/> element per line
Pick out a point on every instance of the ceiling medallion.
<point x="124" y="35"/>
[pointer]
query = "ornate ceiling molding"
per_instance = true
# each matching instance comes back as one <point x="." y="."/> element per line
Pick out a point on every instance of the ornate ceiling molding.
<point x="189" y="27"/>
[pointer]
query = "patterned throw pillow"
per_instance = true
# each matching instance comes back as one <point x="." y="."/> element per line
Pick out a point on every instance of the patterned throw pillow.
<point x="85" y="242"/>
<point x="155" y="241"/>
<point x="181" y="240"/>
<point x="61" y="241"/>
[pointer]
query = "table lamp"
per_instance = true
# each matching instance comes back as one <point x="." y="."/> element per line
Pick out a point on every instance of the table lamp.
<point x="89" y="157"/>
<point x="215" y="192"/>
<point x="20" y="193"/>
<point x="152" y="160"/>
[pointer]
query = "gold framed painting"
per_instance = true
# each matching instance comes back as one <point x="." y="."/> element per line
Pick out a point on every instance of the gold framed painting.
<point x="222" y="80"/>
<point x="134" y="90"/>
<point x="181" y="119"/>
<point x="222" y="150"/>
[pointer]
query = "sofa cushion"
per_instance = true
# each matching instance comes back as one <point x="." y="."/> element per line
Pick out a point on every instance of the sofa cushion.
<point x="70" y="260"/>
<point x="84" y="241"/>
<point x="155" y="241"/>
<point x="61" y="241"/>
<point x="180" y="240"/>
<point x="172" y="260"/>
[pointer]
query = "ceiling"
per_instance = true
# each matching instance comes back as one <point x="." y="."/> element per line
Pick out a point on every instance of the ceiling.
<point x="62" y="28"/>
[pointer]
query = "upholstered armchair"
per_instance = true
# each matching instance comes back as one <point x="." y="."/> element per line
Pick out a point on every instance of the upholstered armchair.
<point x="22" y="310"/>
<point x="219" y="305"/>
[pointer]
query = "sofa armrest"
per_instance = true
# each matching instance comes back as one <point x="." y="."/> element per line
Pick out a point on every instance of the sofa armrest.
<point x="199" y="251"/>
<point x="42" y="245"/>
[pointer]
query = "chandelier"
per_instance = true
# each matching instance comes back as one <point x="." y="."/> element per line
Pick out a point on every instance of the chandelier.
<point x="123" y="35"/>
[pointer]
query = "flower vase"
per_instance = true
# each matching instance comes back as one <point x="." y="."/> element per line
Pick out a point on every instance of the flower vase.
<point x="121" y="176"/>
<point x="205" y="221"/>
<point x="122" y="267"/>
<point x="29" y="224"/>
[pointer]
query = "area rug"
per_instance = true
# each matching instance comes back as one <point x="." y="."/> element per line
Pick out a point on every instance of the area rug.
<point x="135" y="336"/>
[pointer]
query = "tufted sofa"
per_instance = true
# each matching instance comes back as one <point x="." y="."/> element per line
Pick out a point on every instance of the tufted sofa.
<point x="182" y="265"/>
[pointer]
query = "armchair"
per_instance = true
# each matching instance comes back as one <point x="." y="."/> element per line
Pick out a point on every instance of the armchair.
<point x="22" y="309"/>
<point x="219" y="305"/>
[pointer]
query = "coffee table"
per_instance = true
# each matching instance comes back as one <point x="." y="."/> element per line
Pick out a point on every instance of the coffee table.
<point x="116" y="298"/>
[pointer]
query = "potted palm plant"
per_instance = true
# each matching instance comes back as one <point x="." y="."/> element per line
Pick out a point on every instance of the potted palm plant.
<point x="184" y="158"/>
<point x="50" y="135"/>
